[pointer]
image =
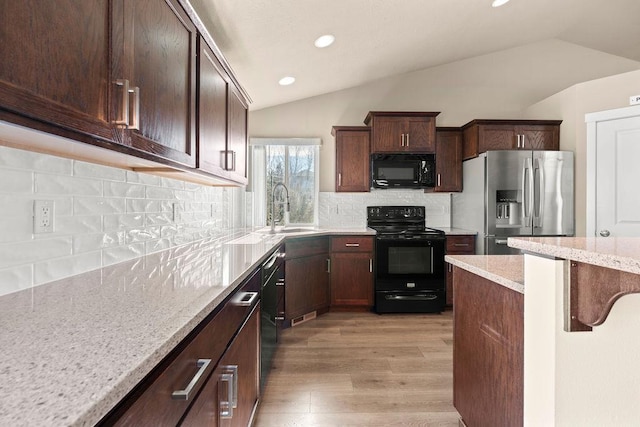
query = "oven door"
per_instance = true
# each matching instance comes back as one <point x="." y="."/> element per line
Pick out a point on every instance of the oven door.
<point x="410" y="265"/>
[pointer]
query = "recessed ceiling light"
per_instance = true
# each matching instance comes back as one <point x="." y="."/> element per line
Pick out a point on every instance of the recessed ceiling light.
<point x="498" y="3"/>
<point x="324" y="41"/>
<point x="286" y="81"/>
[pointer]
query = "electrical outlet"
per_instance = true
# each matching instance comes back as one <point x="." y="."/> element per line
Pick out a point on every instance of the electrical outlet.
<point x="43" y="214"/>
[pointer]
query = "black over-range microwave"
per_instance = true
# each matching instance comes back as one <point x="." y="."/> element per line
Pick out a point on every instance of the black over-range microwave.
<point x="403" y="170"/>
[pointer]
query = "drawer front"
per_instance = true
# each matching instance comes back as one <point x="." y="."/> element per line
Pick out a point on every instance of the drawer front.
<point x="197" y="355"/>
<point x="461" y="245"/>
<point x="301" y="247"/>
<point x="352" y="244"/>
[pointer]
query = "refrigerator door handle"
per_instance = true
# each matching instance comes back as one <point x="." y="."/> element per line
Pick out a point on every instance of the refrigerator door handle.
<point x="527" y="187"/>
<point x="538" y="192"/>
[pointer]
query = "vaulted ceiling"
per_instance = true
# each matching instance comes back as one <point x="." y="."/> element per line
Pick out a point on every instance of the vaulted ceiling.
<point x="265" y="40"/>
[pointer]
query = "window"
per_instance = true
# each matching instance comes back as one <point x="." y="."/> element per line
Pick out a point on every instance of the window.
<point x="294" y="163"/>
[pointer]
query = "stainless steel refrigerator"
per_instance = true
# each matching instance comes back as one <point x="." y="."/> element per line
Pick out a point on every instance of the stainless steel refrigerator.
<point x="515" y="193"/>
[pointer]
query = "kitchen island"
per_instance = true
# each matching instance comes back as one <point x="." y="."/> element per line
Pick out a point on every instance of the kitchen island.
<point x="580" y="327"/>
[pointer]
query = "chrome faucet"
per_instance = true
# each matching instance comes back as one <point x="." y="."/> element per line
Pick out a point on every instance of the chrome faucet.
<point x="273" y="204"/>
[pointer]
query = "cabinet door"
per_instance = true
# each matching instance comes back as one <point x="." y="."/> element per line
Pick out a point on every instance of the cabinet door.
<point x="419" y="135"/>
<point x="457" y="245"/>
<point x="55" y="57"/>
<point x="154" y="46"/>
<point x="488" y="370"/>
<point x="236" y="156"/>
<point x="448" y="160"/>
<point x="388" y="134"/>
<point x="352" y="279"/>
<point x="352" y="159"/>
<point x="539" y="137"/>
<point x="497" y="137"/>
<point x="212" y="112"/>
<point x="307" y="285"/>
<point x="212" y="406"/>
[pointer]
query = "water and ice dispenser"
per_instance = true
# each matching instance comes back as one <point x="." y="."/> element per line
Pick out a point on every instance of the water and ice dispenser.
<point x="508" y="207"/>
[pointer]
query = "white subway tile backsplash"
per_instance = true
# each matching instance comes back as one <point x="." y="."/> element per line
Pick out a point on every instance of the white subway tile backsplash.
<point x="15" y="279"/>
<point x="59" y="268"/>
<point x="103" y="215"/>
<point x="16" y="181"/>
<point x="121" y="222"/>
<point x="91" y="242"/>
<point x="123" y="189"/>
<point x="62" y="184"/>
<point x="78" y="224"/>
<point x="21" y="159"/>
<point x="97" y="205"/>
<point x="13" y="254"/>
<point x="99" y="171"/>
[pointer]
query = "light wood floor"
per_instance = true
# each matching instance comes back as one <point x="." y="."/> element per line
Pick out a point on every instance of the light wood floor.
<point x="363" y="369"/>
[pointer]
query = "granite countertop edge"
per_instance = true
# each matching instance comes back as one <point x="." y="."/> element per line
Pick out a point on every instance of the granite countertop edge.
<point x="505" y="270"/>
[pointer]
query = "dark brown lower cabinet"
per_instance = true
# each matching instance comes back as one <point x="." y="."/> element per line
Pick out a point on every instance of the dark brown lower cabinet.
<point x="488" y="352"/>
<point x="307" y="283"/>
<point x="457" y="245"/>
<point x="231" y="393"/>
<point x="211" y="378"/>
<point x="352" y="272"/>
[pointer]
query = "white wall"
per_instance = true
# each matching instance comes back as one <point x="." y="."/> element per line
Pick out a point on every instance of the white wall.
<point x="571" y="105"/>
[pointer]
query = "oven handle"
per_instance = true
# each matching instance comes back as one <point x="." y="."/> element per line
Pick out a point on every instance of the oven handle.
<point x="418" y="297"/>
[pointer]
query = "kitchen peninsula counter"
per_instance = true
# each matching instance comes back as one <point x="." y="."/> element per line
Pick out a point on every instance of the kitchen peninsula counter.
<point x="581" y="369"/>
<point x="506" y="270"/>
<point x="73" y="348"/>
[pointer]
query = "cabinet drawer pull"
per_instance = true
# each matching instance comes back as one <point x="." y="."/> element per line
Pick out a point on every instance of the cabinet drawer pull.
<point x="202" y="364"/>
<point x="339" y="180"/>
<point x="134" y="116"/>
<point x="246" y="299"/>
<point x="328" y="265"/>
<point x="461" y="244"/>
<point x="233" y="160"/>
<point x="407" y="140"/>
<point x="438" y="184"/>
<point x="233" y="370"/>
<point x="226" y="406"/>
<point x="402" y="140"/>
<point x="370" y="265"/>
<point x="352" y="245"/>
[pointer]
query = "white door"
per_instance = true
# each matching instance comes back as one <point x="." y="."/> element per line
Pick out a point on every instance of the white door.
<point x="617" y="177"/>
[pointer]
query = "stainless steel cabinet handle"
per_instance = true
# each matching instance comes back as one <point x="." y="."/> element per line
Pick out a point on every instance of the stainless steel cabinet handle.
<point x="370" y="265"/>
<point x="272" y="260"/>
<point x="438" y="184"/>
<point x="339" y="180"/>
<point x="233" y="160"/>
<point x="134" y="116"/>
<point x="407" y="140"/>
<point x="522" y="141"/>
<point x="461" y="244"/>
<point x="402" y="140"/>
<point x="247" y="299"/>
<point x="328" y="265"/>
<point x="124" y="106"/>
<point x="202" y="364"/>
<point x="605" y="233"/>
<point x="233" y="370"/>
<point x="352" y="245"/>
<point x="226" y="406"/>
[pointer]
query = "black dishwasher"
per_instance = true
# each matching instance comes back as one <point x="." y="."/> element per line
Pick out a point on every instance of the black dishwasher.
<point x="272" y="294"/>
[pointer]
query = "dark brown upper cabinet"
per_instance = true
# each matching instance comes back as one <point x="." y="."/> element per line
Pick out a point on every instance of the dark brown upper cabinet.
<point x="56" y="65"/>
<point x="236" y="154"/>
<point x="154" y="78"/>
<point x="352" y="158"/>
<point x="483" y="135"/>
<point x="448" y="159"/>
<point x="402" y="132"/>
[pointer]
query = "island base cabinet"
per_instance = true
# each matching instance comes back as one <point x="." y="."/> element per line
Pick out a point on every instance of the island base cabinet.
<point x="231" y="394"/>
<point x="488" y="352"/>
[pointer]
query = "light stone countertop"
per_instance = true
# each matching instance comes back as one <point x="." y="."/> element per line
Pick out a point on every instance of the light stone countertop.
<point x="506" y="270"/>
<point x="72" y="349"/>
<point x="619" y="253"/>
<point x="452" y="231"/>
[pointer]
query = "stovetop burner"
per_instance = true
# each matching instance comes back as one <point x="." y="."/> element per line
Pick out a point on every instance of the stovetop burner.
<point x="400" y="222"/>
